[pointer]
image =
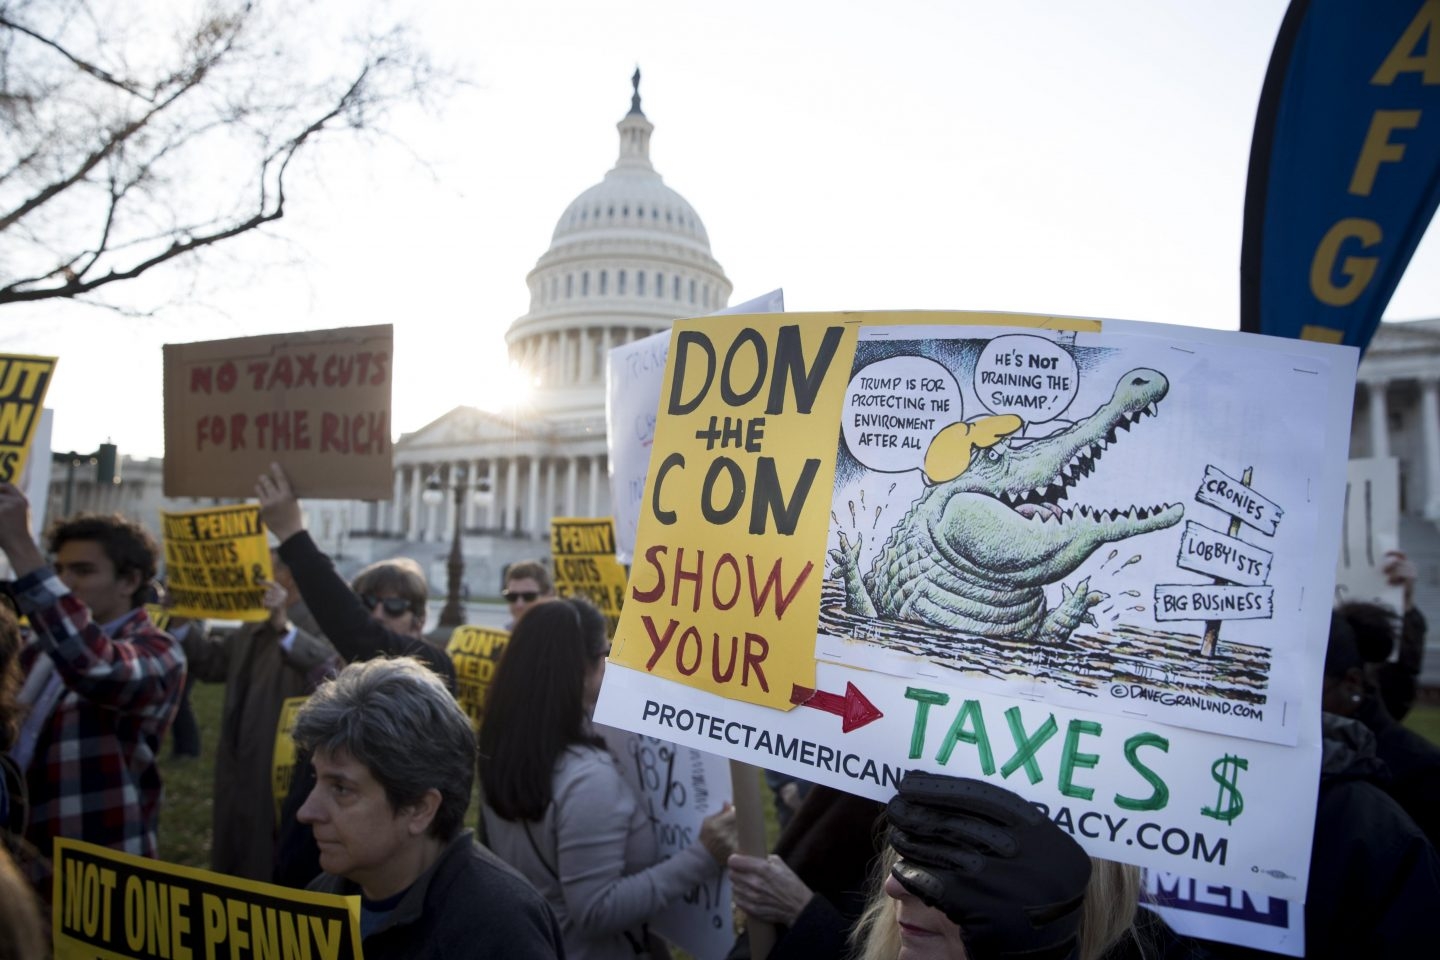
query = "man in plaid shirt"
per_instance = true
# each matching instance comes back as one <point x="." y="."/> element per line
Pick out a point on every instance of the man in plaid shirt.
<point x="101" y="681"/>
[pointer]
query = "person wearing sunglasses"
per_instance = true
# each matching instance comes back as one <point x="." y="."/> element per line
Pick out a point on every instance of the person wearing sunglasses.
<point x="527" y="582"/>
<point x="385" y="622"/>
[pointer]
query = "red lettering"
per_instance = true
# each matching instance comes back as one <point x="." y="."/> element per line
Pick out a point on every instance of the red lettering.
<point x="237" y="431"/>
<point x="681" y="575"/>
<point x="256" y="369"/>
<point x="307" y="374"/>
<point x="657" y="641"/>
<point x="332" y="436"/>
<point x="689" y="634"/>
<point x="652" y="557"/>
<point x="281" y="373"/>
<point x="227" y="376"/>
<point x="200" y="379"/>
<point x="781" y="602"/>
<point x="757" y="648"/>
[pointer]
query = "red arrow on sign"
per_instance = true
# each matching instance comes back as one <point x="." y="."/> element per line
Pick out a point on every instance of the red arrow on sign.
<point x="853" y="709"/>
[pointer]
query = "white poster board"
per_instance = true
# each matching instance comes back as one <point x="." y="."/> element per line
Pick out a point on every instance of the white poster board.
<point x="1226" y="914"/>
<point x="890" y="604"/>
<point x="634" y="373"/>
<point x="1371" y="529"/>
<point x="679" y="787"/>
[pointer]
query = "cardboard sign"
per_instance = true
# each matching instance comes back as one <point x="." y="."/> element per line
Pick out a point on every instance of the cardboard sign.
<point x="876" y="542"/>
<point x="678" y="788"/>
<point x="475" y="651"/>
<point x="583" y="552"/>
<point x="23" y="382"/>
<point x="214" y="562"/>
<point x="117" y="906"/>
<point x="318" y="403"/>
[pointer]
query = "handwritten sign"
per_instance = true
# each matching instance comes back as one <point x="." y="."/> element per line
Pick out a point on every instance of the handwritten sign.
<point x="634" y="377"/>
<point x="1370" y="530"/>
<point x="214" y="562"/>
<point x="877" y="542"/>
<point x="678" y="788"/>
<point x="119" y="906"/>
<point x="475" y="651"/>
<point x="317" y="402"/>
<point x="583" y="552"/>
<point x="23" y="382"/>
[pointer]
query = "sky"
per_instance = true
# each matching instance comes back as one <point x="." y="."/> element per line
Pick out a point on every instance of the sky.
<point x="1086" y="157"/>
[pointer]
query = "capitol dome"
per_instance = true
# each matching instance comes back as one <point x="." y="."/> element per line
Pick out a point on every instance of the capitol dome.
<point x="627" y="257"/>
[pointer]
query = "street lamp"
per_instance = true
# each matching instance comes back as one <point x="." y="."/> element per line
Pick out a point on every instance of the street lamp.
<point x="453" y="614"/>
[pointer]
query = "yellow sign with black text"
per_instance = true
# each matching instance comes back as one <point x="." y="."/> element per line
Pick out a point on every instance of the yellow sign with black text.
<point x="475" y="651"/>
<point x="115" y="906"/>
<point x="583" y="552"/>
<point x="23" y="382"/>
<point x="214" y="562"/>
<point x="745" y="442"/>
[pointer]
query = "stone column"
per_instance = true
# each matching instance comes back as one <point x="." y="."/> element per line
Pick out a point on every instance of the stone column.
<point x="531" y="522"/>
<point x="413" y="529"/>
<point x="604" y="352"/>
<point x="572" y="467"/>
<point x="390" y="514"/>
<point x="471" y="508"/>
<point x="595" y="510"/>
<point x="448" y="530"/>
<point x="1379" y="419"/>
<point x="512" y="487"/>
<point x="1430" y="420"/>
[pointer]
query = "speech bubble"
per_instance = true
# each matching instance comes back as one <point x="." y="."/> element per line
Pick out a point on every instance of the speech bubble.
<point x="1031" y="377"/>
<point x="893" y="409"/>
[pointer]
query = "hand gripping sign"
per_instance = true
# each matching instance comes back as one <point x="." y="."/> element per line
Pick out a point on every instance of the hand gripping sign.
<point x="872" y="542"/>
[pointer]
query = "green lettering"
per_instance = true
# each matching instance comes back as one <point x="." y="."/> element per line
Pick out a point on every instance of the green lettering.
<point x="1161" y="794"/>
<point x="1026" y="745"/>
<point x="958" y="734"/>
<point x="923" y="700"/>
<point x="1071" y="758"/>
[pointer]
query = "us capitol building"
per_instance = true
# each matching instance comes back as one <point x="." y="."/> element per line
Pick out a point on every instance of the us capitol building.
<point x="627" y="257"/>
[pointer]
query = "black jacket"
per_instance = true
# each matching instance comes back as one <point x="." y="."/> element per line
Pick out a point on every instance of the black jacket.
<point x="468" y="904"/>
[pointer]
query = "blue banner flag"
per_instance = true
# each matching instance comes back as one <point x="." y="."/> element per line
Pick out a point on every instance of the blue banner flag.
<point x="1344" y="167"/>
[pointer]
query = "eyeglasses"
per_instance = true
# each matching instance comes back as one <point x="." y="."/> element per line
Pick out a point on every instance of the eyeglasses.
<point x="519" y="596"/>
<point x="394" y="606"/>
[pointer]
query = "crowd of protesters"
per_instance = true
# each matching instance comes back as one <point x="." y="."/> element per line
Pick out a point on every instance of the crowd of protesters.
<point x="565" y="861"/>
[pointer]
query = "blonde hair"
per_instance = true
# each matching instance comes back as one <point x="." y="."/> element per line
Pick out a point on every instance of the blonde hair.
<point x="1111" y="901"/>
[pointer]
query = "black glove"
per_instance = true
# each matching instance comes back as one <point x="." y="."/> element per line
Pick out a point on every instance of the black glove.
<point x="1013" y="881"/>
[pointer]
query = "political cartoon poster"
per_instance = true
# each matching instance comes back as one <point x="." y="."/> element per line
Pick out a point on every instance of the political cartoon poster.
<point x="633" y="377"/>
<point x="1370" y="530"/>
<point x="116" y="906"/>
<point x="582" y="550"/>
<point x="215" y="560"/>
<point x="475" y="652"/>
<point x="1076" y="557"/>
<point x="317" y="402"/>
<point x="23" y="382"/>
<point x="678" y="788"/>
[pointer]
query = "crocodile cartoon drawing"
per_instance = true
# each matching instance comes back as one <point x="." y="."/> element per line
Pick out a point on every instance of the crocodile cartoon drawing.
<point x="976" y="551"/>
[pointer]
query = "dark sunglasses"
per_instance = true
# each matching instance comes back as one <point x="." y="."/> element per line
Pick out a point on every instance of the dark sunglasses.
<point x="516" y="596"/>
<point x="394" y="606"/>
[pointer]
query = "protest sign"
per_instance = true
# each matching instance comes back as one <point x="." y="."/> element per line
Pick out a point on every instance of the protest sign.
<point x="861" y="552"/>
<point x="1370" y="530"/>
<point x="317" y="402"/>
<point x="282" y="763"/>
<point x="214" y="562"/>
<point x="583" y="552"/>
<point x="116" y="906"/>
<point x="475" y="651"/>
<point x="1226" y="914"/>
<point x="23" y="382"/>
<point x="678" y="788"/>
<point x="633" y="378"/>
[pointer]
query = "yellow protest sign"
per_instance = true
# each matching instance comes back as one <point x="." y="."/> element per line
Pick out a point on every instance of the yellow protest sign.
<point x="115" y="906"/>
<point x="214" y="562"/>
<point x="583" y="550"/>
<point x="23" y="381"/>
<point x="744" y="451"/>
<point x="475" y="651"/>
<point x="282" y="764"/>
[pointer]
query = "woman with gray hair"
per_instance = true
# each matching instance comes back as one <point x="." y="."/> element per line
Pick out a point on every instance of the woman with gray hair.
<point x="394" y="758"/>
